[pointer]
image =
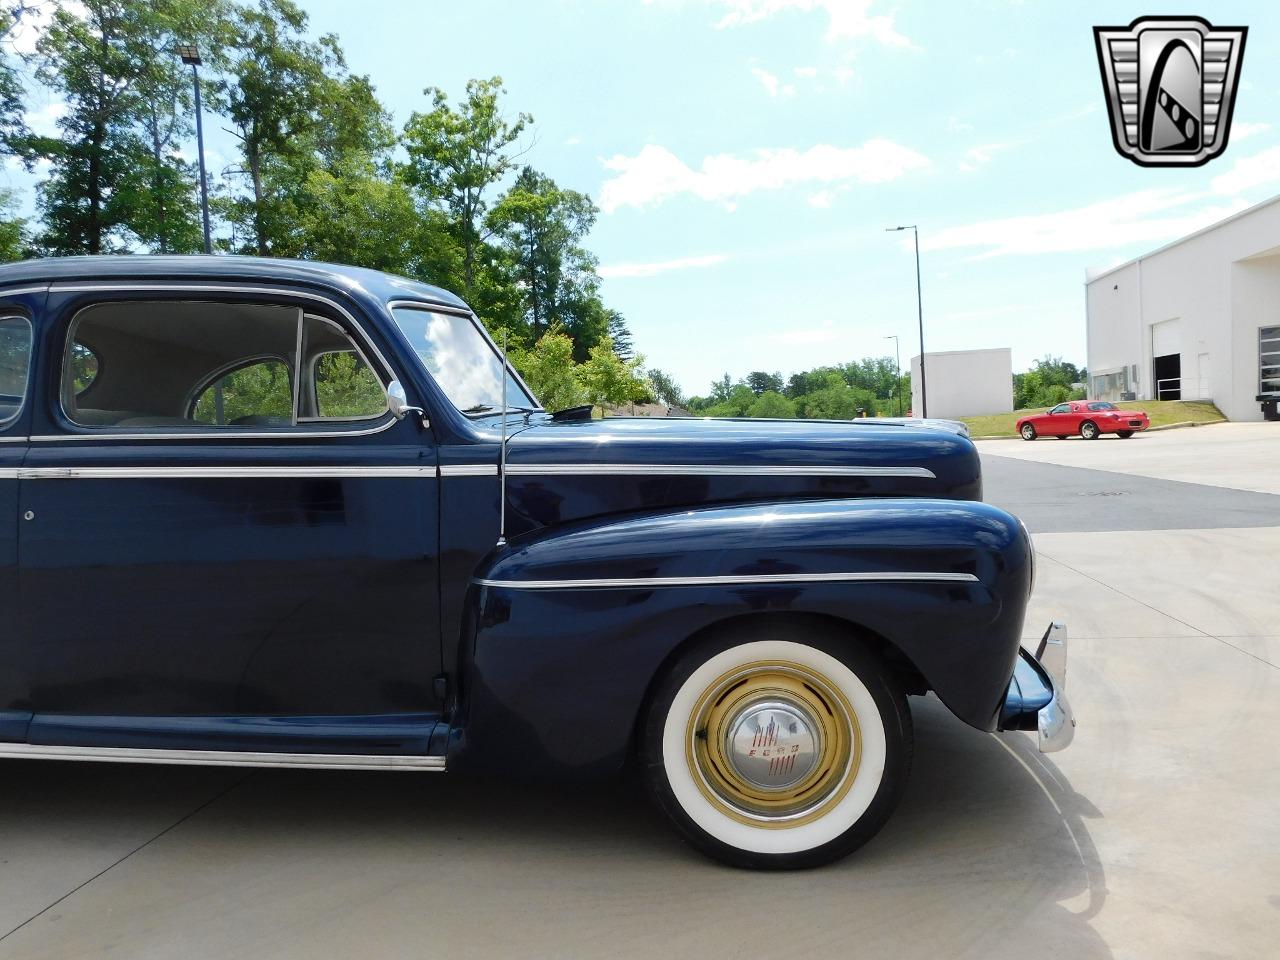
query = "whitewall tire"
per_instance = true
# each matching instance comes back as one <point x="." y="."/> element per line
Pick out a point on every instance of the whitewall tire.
<point x="776" y="747"/>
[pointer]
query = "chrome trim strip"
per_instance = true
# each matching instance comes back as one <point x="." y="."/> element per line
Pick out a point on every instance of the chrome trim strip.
<point x="641" y="583"/>
<point x="208" y="434"/>
<point x="709" y="470"/>
<point x="214" y="473"/>
<point x="18" y="291"/>
<point x="221" y="433"/>
<point x="223" y="758"/>
<point x="15" y="439"/>
<point x="469" y="470"/>
<point x="8" y="473"/>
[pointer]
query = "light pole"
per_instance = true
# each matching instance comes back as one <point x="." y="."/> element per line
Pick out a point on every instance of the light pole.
<point x="924" y="398"/>
<point x="897" y="366"/>
<point x="190" y="55"/>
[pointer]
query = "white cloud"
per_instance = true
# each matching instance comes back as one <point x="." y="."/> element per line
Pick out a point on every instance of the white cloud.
<point x="663" y="266"/>
<point x="33" y="23"/>
<point x="1147" y="216"/>
<point x="1249" y="172"/>
<point x="807" y="73"/>
<point x="45" y="120"/>
<point x="572" y="141"/>
<point x="846" y="19"/>
<point x="821" y="200"/>
<point x="956" y="125"/>
<point x="976" y="157"/>
<point x="656" y="174"/>
<point x="1241" y="130"/>
<point x="771" y="83"/>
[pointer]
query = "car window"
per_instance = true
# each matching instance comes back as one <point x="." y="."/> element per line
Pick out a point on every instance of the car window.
<point x="345" y="387"/>
<point x="1102" y="405"/>
<point x="205" y="364"/>
<point x="338" y="383"/>
<point x="15" y="363"/>
<point x="259" y="393"/>
<point x="1061" y="408"/>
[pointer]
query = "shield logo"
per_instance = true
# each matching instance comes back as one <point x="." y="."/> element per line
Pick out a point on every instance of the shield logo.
<point x="1171" y="88"/>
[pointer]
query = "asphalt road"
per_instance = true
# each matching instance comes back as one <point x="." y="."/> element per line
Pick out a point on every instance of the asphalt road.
<point x="1154" y="835"/>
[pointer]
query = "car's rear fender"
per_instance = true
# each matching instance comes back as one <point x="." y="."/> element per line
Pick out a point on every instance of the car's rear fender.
<point x="569" y="628"/>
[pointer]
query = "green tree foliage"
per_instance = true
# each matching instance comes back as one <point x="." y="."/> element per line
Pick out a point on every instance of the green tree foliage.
<point x="1049" y="382"/>
<point x="762" y="383"/>
<point x="322" y="174"/>
<point x="773" y="405"/>
<point x="549" y="370"/>
<point x="13" y="229"/>
<point x="607" y="378"/>
<point x="826" y="393"/>
<point x="456" y="156"/>
<point x="272" y="93"/>
<point x="664" y="389"/>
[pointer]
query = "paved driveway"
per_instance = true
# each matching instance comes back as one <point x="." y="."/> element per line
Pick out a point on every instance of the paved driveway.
<point x="1154" y="835"/>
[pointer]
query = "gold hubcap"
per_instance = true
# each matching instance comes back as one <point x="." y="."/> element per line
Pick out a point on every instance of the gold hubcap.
<point x="773" y="744"/>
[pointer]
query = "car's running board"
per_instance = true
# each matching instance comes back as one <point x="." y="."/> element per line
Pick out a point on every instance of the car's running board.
<point x="222" y="758"/>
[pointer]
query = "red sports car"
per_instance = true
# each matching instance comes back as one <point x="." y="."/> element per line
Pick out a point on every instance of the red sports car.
<point x="1089" y="418"/>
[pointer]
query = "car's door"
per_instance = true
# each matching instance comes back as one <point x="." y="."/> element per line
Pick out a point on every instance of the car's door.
<point x="1056" y="419"/>
<point x="233" y="543"/>
<point x="18" y="311"/>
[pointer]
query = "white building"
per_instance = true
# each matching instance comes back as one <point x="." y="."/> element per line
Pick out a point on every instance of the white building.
<point x="964" y="383"/>
<point x="1197" y="319"/>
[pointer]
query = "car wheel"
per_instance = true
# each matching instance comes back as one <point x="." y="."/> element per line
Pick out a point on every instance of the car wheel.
<point x="1028" y="432"/>
<point x="774" y="750"/>
<point x="1124" y="434"/>
<point x="1089" y="430"/>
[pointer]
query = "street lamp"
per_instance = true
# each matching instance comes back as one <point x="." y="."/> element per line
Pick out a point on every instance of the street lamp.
<point x="897" y="365"/>
<point x="924" y="400"/>
<point x="190" y="55"/>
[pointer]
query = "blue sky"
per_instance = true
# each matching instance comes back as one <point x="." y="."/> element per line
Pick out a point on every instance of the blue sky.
<point x="748" y="154"/>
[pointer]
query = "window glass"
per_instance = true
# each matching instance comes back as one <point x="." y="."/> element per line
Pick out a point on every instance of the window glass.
<point x="258" y="394"/>
<point x="461" y="360"/>
<point x="15" y="363"/>
<point x="346" y="389"/>
<point x="1102" y="406"/>
<point x="83" y="368"/>
<point x="338" y="383"/>
<point x="1269" y="361"/>
<point x="1061" y="408"/>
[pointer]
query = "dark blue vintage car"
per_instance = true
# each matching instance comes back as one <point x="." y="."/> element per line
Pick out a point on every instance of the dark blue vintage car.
<point x="259" y="512"/>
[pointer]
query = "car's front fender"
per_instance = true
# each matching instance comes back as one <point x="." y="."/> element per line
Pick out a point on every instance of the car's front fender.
<point x="571" y="626"/>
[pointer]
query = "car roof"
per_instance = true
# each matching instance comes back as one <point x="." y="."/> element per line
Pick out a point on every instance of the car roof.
<point x="386" y="286"/>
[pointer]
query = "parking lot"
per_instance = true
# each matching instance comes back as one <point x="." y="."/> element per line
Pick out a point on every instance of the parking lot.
<point x="1154" y="835"/>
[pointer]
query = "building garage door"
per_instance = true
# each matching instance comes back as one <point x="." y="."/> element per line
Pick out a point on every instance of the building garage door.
<point x="1166" y="360"/>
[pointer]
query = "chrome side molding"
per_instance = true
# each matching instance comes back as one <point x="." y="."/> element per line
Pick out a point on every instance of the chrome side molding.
<point x="223" y="758"/>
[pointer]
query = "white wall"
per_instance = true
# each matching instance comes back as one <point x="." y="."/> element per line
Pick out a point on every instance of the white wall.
<point x="1221" y="285"/>
<point x="964" y="383"/>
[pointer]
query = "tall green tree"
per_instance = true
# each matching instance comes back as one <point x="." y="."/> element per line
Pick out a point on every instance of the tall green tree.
<point x="96" y="64"/>
<point x="540" y="227"/>
<point x="13" y="229"/>
<point x="456" y="156"/>
<point x="275" y="83"/>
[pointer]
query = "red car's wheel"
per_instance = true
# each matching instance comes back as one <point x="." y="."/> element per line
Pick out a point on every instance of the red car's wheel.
<point x="1089" y="430"/>
<point x="1028" y="432"/>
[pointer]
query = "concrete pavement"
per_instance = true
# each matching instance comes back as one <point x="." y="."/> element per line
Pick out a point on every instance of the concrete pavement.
<point x="1154" y="835"/>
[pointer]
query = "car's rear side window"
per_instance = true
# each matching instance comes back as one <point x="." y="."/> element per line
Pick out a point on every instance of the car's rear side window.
<point x="15" y="365"/>
<point x="211" y="365"/>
